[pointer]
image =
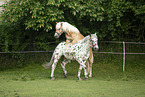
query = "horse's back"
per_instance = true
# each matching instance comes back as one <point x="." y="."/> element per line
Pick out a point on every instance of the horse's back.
<point x="76" y="36"/>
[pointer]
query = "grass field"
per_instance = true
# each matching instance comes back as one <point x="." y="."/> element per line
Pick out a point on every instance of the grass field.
<point x="108" y="80"/>
<point x="71" y="88"/>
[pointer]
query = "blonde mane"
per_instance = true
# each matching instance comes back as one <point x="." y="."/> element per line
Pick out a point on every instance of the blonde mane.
<point x="67" y="27"/>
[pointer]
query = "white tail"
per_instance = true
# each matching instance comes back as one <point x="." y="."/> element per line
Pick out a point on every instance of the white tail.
<point x="48" y="65"/>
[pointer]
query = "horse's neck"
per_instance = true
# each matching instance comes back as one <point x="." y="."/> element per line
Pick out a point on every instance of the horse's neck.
<point x="86" y="41"/>
<point x="68" y="28"/>
<point x="68" y="33"/>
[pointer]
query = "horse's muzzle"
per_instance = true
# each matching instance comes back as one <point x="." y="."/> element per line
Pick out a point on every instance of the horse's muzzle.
<point x="56" y="35"/>
<point x="96" y="48"/>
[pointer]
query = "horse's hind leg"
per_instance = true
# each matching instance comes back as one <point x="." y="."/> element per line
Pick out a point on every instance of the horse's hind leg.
<point x="89" y="68"/>
<point x="52" y="71"/>
<point x="56" y="58"/>
<point x="90" y="75"/>
<point x="79" y="72"/>
<point x="85" y="72"/>
<point x="90" y="62"/>
<point x="63" y="66"/>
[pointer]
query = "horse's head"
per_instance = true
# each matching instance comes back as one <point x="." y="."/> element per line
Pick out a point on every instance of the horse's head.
<point x="59" y="30"/>
<point x="94" y="41"/>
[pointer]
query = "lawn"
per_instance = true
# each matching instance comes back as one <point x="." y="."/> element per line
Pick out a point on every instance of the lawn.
<point x="108" y="81"/>
<point x="71" y="88"/>
<point x="24" y="76"/>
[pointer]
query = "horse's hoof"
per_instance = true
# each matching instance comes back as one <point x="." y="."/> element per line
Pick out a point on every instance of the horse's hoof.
<point x="52" y="78"/>
<point x="90" y="75"/>
<point x="79" y="78"/>
<point x="64" y="75"/>
<point x="86" y="78"/>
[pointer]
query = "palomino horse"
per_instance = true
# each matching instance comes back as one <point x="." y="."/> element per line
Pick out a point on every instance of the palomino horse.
<point x="73" y="35"/>
<point x="80" y="53"/>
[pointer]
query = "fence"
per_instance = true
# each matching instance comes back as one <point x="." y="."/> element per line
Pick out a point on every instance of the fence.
<point x="106" y="47"/>
<point x="124" y="51"/>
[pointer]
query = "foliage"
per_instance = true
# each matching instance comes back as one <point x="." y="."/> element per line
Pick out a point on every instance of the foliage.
<point x="122" y="21"/>
<point x="33" y="21"/>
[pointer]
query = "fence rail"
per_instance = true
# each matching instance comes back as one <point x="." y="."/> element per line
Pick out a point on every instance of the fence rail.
<point x="50" y="51"/>
<point x="122" y="46"/>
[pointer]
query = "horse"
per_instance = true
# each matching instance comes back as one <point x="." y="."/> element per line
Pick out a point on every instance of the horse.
<point x="72" y="35"/>
<point x="80" y="53"/>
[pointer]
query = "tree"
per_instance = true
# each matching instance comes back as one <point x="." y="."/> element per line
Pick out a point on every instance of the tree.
<point x="122" y="21"/>
<point x="34" y="21"/>
<point x="31" y="21"/>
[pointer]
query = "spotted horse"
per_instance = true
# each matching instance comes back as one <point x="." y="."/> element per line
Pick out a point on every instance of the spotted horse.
<point x="73" y="35"/>
<point x="79" y="52"/>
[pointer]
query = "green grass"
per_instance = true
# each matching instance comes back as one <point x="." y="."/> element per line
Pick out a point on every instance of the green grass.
<point x="32" y="80"/>
<point x="72" y="88"/>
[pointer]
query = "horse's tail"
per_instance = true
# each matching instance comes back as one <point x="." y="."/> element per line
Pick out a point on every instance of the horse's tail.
<point x="48" y="65"/>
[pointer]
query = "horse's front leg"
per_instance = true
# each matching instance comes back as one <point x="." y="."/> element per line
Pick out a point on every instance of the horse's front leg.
<point x="82" y="65"/>
<point x="79" y="73"/>
<point x="85" y="72"/>
<point x="90" y="75"/>
<point x="63" y="66"/>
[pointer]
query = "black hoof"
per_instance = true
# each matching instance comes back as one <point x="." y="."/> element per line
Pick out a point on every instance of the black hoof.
<point x="64" y="75"/>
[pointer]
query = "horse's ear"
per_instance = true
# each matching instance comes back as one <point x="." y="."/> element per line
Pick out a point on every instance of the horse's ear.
<point x="96" y="33"/>
<point x="90" y="34"/>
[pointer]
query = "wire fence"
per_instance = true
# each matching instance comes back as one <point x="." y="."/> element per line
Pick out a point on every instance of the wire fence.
<point x="105" y="47"/>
